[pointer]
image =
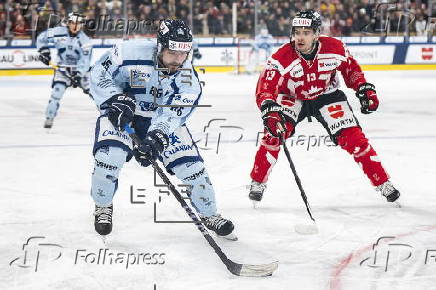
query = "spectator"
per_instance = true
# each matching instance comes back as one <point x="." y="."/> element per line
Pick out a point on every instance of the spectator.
<point x="420" y="25"/>
<point x="214" y="17"/>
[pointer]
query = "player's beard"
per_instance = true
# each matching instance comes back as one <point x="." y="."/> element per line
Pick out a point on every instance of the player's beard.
<point x="171" y="66"/>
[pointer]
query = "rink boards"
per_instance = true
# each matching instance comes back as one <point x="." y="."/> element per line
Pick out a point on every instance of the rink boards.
<point x="226" y="54"/>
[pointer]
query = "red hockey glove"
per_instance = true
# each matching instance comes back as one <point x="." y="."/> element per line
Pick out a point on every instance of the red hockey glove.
<point x="368" y="98"/>
<point x="275" y="120"/>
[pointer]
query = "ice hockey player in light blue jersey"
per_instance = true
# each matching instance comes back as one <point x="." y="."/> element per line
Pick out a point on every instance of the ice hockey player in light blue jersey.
<point x="143" y="83"/>
<point x="263" y="41"/>
<point x="74" y="50"/>
<point x="261" y="50"/>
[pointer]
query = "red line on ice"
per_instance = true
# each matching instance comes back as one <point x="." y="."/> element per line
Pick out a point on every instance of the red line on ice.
<point x="335" y="281"/>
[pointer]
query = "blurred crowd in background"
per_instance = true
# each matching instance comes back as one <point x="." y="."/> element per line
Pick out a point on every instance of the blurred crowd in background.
<point x="214" y="18"/>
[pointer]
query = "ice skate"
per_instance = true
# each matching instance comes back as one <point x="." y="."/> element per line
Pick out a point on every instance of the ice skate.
<point x="48" y="123"/>
<point x="389" y="191"/>
<point x="103" y="220"/>
<point x="220" y="226"/>
<point x="256" y="192"/>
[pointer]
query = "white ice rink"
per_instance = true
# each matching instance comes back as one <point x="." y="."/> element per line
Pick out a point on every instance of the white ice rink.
<point x="45" y="185"/>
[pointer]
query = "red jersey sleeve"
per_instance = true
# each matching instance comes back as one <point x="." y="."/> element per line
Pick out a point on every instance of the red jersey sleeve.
<point x="271" y="80"/>
<point x="351" y="71"/>
<point x="267" y="84"/>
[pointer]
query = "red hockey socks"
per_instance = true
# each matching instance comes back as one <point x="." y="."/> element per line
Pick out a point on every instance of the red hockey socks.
<point x="354" y="142"/>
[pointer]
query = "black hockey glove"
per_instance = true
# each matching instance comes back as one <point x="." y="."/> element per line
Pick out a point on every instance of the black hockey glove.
<point x="154" y="144"/>
<point x="44" y="55"/>
<point x="75" y="79"/>
<point x="120" y="109"/>
<point x="196" y="54"/>
<point x="368" y="98"/>
<point x="275" y="119"/>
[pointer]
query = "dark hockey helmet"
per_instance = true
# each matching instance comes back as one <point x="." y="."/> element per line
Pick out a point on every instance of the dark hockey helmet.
<point x="174" y="34"/>
<point x="307" y="18"/>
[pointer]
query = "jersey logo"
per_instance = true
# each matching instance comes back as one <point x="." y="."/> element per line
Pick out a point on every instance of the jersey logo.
<point x="174" y="139"/>
<point x="327" y="64"/>
<point x="297" y="71"/>
<point x="138" y="78"/>
<point x="336" y="111"/>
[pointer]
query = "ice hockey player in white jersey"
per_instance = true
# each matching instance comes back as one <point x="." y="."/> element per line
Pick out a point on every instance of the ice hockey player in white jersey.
<point x="261" y="50"/>
<point x="74" y="50"/>
<point x="264" y="41"/>
<point x="141" y="82"/>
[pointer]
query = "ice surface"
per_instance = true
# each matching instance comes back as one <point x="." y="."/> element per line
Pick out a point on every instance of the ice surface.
<point x="45" y="185"/>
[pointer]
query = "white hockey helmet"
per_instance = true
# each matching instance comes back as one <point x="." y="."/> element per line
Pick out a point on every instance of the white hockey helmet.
<point x="76" y="17"/>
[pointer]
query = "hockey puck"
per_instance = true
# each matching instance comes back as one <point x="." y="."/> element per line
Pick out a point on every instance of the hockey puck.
<point x="306" y="229"/>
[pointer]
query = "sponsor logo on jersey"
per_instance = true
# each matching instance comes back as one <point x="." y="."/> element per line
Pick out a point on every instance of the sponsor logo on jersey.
<point x="138" y="78"/>
<point x="146" y="106"/>
<point x="115" y="133"/>
<point x="427" y="53"/>
<point x="327" y="64"/>
<point x="336" y="111"/>
<point x="168" y="153"/>
<point x="297" y="71"/>
<point x="184" y="99"/>
<point x="271" y="66"/>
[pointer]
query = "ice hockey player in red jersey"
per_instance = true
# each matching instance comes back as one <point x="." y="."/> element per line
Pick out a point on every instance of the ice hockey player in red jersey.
<point x="301" y="80"/>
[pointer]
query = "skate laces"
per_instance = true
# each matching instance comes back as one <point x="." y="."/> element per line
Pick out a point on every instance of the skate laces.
<point x="216" y="221"/>
<point x="257" y="187"/>
<point x="103" y="214"/>
<point x="386" y="188"/>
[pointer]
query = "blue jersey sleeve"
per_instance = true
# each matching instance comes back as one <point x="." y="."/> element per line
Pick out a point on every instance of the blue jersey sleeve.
<point x="42" y="41"/>
<point x="108" y="76"/>
<point x="86" y="53"/>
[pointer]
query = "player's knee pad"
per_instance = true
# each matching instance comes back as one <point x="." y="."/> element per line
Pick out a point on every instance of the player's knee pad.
<point x="53" y="104"/>
<point x="353" y="141"/>
<point x="107" y="166"/>
<point x="201" y="190"/>
<point x="58" y="91"/>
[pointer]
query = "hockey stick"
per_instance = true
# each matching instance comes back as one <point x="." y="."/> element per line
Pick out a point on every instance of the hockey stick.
<point x="74" y="84"/>
<point x="297" y="179"/>
<point x="300" y="228"/>
<point x="237" y="269"/>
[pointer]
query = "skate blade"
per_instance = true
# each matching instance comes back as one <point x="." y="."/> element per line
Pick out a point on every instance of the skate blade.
<point x="230" y="237"/>
<point x="256" y="204"/>
<point x="104" y="239"/>
<point x="397" y="204"/>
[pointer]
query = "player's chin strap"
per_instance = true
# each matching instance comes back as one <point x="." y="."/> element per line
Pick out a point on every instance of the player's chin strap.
<point x="281" y="133"/>
<point x="261" y="270"/>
